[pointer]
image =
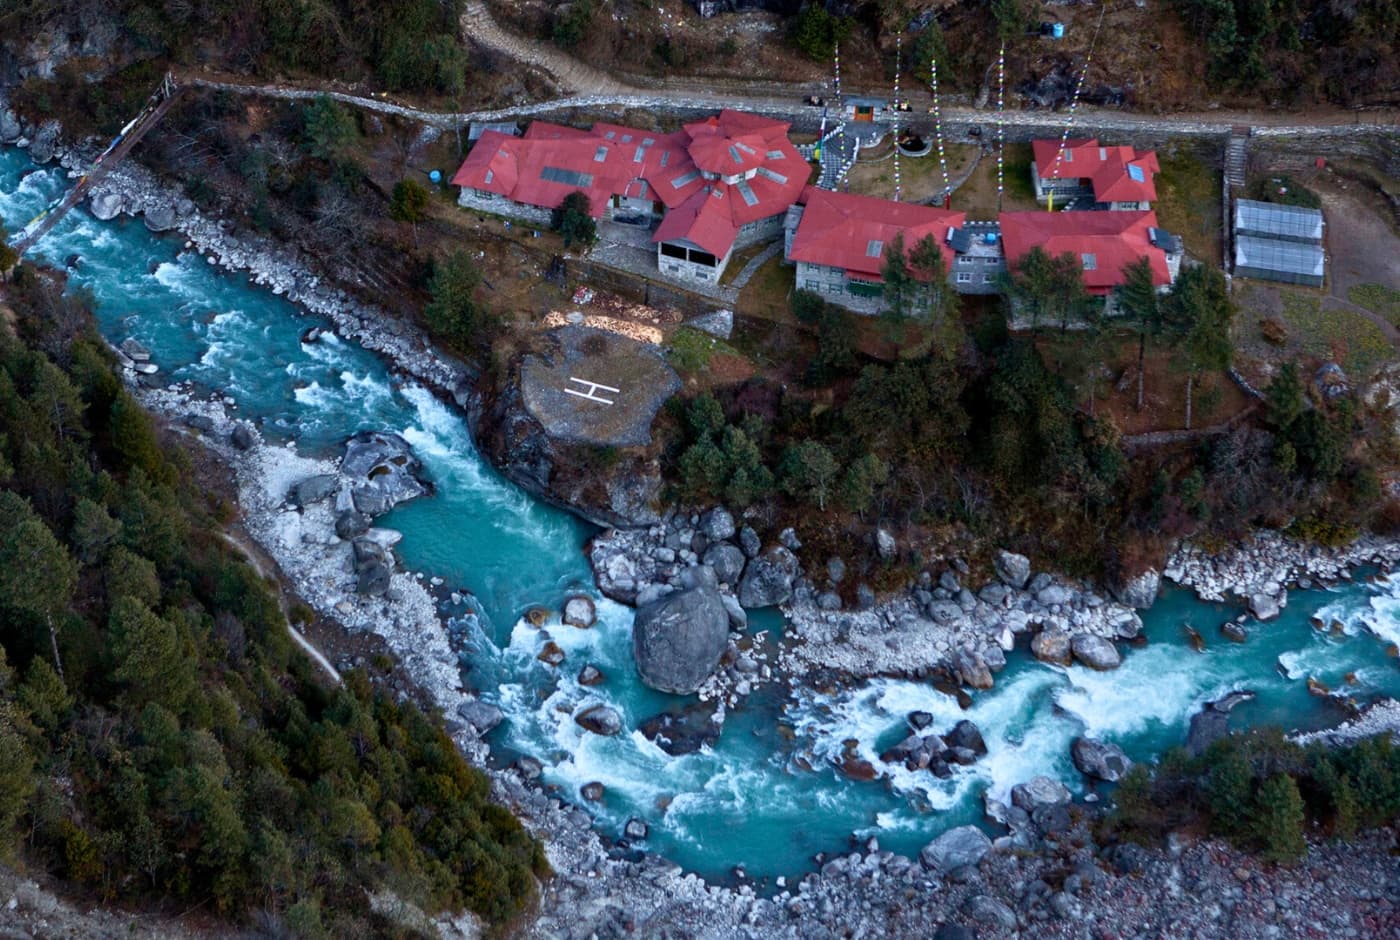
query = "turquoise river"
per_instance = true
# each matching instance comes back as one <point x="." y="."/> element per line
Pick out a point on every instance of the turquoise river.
<point x="747" y="801"/>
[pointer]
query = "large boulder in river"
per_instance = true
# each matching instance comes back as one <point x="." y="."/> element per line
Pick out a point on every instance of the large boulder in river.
<point x="678" y="640"/>
<point x="382" y="471"/>
<point x="971" y="669"/>
<point x="768" y="580"/>
<point x="1014" y="570"/>
<point x="1051" y="646"/>
<point x="1212" y="722"/>
<point x="1099" y="759"/>
<point x="600" y="719"/>
<point x="682" y="733"/>
<point x="106" y="206"/>
<point x="956" y="848"/>
<point x="1264" y="606"/>
<point x="966" y="735"/>
<point x="1095" y="652"/>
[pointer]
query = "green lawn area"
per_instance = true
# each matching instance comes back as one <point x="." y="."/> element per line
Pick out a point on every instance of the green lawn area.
<point x="1350" y="338"/>
<point x="766" y="294"/>
<point x="1377" y="298"/>
<point x="690" y="350"/>
<point x="1188" y="203"/>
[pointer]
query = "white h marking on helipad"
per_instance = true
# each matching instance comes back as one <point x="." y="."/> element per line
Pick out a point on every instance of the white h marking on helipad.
<point x="592" y="393"/>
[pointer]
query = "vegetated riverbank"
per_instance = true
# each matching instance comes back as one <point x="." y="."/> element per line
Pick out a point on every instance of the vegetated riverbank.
<point x="594" y="890"/>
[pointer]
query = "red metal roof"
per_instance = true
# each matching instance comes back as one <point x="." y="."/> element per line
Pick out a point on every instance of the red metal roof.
<point x="842" y="230"/>
<point x="1104" y="242"/>
<point x="551" y="160"/>
<point x="1107" y="168"/>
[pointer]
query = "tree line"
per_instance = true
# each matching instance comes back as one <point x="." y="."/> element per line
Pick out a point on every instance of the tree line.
<point x="973" y="431"/>
<point x="161" y="741"/>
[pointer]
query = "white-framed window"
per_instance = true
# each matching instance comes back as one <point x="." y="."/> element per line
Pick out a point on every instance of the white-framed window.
<point x="988" y="278"/>
<point x="964" y="277"/>
<point x="964" y="259"/>
<point x="812" y="285"/>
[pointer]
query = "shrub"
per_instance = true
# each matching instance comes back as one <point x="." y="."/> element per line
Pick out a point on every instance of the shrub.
<point x="573" y="219"/>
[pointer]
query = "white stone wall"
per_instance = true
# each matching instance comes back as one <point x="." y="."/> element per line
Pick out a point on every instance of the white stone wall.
<point x="500" y="205"/>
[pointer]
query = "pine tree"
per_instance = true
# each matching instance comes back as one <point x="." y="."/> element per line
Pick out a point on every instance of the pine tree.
<point x="1229" y="787"/>
<point x="1279" y="819"/>
<point x="1137" y="298"/>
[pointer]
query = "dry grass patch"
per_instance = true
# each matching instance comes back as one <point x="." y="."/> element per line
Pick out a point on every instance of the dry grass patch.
<point x="1188" y="204"/>
<point x="1377" y="298"/>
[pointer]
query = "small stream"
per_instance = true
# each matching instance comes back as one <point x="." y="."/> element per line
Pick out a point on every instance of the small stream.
<point x="750" y="800"/>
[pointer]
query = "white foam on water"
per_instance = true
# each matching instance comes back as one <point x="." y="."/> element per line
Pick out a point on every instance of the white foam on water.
<point x="369" y="390"/>
<point x="313" y="396"/>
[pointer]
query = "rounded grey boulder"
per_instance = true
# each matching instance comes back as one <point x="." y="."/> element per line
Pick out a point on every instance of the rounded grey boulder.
<point x="1096" y="652"/>
<point x="768" y="580"/>
<point x="727" y="561"/>
<point x="1038" y="792"/>
<point x="600" y="719"/>
<point x="678" y="640"/>
<point x="1099" y="759"/>
<point x="956" y="849"/>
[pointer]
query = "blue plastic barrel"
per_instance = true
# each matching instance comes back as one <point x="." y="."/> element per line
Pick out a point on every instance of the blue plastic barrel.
<point x="1058" y="31"/>
<point x="990" y="238"/>
<point x="435" y="176"/>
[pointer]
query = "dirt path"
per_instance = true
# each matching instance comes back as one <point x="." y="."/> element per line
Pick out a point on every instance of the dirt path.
<point x="266" y="568"/>
<point x="569" y="74"/>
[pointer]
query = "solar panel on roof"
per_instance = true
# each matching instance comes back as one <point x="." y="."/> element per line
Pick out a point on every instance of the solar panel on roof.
<point x="734" y="154"/>
<point x="1091" y="261"/>
<point x="775" y="155"/>
<point x="554" y="174"/>
<point x="960" y="239"/>
<point x="745" y="148"/>
<point x="490" y="175"/>
<point x="648" y="141"/>
<point x="600" y="155"/>
<point x="750" y="198"/>
<point x="626" y="138"/>
<point x="1135" y="174"/>
<point x="665" y="157"/>
<point x="641" y="152"/>
<point x="773" y="175"/>
<point x="610" y="135"/>
<point x="684" y="178"/>
<point x="874" y="247"/>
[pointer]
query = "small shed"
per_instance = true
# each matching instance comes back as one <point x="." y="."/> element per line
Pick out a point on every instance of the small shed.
<point x="1274" y="259"/>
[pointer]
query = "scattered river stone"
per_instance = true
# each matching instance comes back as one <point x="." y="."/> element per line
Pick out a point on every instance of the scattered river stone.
<point x="590" y="675"/>
<point x="1052" y="646"/>
<point x="600" y="719"/>
<point x="1100" y="759"/>
<point x="1096" y="652"/>
<point x="579" y="612"/>
<point x="1014" y="570"/>
<point x="678" y="640"/>
<point x="955" y="849"/>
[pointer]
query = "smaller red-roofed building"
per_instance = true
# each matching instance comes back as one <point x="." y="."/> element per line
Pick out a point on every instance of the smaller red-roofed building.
<point x="1103" y="243"/>
<point x="1085" y="175"/>
<point x="838" y="240"/>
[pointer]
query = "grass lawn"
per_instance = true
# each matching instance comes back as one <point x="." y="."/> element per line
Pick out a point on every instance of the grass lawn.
<point x="1334" y="333"/>
<point x="1377" y="298"/>
<point x="978" y="196"/>
<point x="1188" y="204"/>
<point x="766" y="294"/>
<point x="920" y="178"/>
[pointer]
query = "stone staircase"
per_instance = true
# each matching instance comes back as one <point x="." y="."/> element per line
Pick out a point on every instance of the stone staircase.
<point x="1236" y="157"/>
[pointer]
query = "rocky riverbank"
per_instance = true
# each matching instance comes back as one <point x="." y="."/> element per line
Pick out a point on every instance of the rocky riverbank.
<point x="1260" y="572"/>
